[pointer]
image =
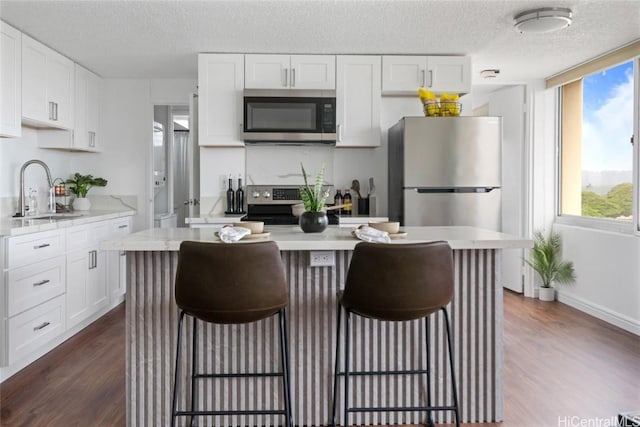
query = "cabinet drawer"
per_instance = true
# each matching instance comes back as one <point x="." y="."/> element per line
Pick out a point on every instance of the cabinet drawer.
<point x="119" y="227"/>
<point x="35" y="327"/>
<point x="34" y="284"/>
<point x="34" y="247"/>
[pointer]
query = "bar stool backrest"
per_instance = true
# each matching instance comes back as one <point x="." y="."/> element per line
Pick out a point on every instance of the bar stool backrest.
<point x="230" y="283"/>
<point x="399" y="282"/>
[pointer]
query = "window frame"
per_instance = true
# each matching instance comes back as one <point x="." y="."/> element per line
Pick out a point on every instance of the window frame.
<point x="611" y="225"/>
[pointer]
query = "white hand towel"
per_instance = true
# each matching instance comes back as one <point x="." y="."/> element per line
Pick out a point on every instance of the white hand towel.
<point x="230" y="234"/>
<point x="370" y="234"/>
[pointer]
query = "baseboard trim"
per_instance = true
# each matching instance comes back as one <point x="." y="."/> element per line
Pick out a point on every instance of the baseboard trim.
<point x="602" y="313"/>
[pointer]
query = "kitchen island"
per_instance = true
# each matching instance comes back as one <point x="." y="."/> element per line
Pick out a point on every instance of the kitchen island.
<point x="476" y="315"/>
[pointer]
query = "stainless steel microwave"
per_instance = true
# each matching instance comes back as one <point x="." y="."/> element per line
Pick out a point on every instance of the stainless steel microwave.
<point x="289" y="116"/>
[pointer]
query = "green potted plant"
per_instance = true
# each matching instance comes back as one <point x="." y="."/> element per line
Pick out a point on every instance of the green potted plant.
<point x="314" y="218"/>
<point x="80" y="186"/>
<point x="546" y="259"/>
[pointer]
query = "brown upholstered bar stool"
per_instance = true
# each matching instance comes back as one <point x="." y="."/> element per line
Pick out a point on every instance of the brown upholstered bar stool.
<point x="396" y="282"/>
<point x="231" y="284"/>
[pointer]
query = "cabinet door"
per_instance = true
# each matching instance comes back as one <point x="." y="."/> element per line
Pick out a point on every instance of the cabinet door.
<point x="403" y="74"/>
<point x="35" y="106"/>
<point x="358" y="100"/>
<point x="220" y="85"/>
<point x="267" y="71"/>
<point x="87" y="99"/>
<point x="313" y="72"/>
<point x="10" y="81"/>
<point x="97" y="286"/>
<point x="116" y="274"/>
<point x="451" y="74"/>
<point x="60" y="89"/>
<point x="47" y="86"/>
<point x="78" y="263"/>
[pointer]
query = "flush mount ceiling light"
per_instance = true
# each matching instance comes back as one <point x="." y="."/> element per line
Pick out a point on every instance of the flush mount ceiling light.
<point x="543" y="20"/>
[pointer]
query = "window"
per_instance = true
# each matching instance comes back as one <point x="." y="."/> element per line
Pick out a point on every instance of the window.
<point x="596" y="163"/>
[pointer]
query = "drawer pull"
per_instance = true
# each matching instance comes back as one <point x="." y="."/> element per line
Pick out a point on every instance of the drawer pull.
<point x="123" y="226"/>
<point x="42" y="282"/>
<point x="42" y="326"/>
<point x="44" y="245"/>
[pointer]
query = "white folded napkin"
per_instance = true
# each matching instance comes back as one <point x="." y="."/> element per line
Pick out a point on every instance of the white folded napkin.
<point x="370" y="234"/>
<point x="230" y="234"/>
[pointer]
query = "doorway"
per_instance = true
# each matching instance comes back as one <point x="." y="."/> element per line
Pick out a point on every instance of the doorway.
<point x="175" y="179"/>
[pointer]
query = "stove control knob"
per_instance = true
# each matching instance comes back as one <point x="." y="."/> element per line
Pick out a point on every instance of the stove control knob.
<point x="266" y="194"/>
<point x="255" y="194"/>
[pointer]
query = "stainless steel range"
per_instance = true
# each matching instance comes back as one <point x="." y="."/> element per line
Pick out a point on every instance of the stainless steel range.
<point x="272" y="204"/>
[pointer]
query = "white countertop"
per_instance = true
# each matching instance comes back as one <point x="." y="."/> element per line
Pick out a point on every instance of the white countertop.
<point x="229" y="219"/>
<point x="26" y="225"/>
<point x="291" y="238"/>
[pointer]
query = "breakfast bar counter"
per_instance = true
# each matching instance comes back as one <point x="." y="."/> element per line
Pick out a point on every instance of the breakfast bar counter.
<point x="476" y="314"/>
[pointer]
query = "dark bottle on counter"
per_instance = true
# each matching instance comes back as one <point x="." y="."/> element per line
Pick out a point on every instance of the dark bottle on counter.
<point x="230" y="197"/>
<point x="346" y="200"/>
<point x="239" y="196"/>
<point x="337" y="200"/>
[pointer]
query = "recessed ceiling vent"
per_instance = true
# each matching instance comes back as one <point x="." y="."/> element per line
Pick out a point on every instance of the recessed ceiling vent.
<point x="543" y="20"/>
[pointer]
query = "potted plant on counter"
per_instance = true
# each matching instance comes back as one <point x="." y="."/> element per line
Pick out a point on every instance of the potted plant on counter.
<point x="314" y="218"/>
<point x="80" y="185"/>
<point x="546" y="259"/>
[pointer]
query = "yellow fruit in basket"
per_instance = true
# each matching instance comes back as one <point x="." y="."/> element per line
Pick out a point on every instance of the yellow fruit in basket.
<point x="425" y="95"/>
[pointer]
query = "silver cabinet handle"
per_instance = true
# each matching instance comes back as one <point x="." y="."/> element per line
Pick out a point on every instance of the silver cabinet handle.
<point x="41" y="326"/>
<point x="123" y="226"/>
<point x="293" y="77"/>
<point x="123" y="253"/>
<point x="339" y="129"/>
<point x="55" y="104"/>
<point x="93" y="259"/>
<point x="50" y="110"/>
<point x="430" y="78"/>
<point x="92" y="139"/>
<point x="423" y="78"/>
<point x="44" y="245"/>
<point x="42" y="282"/>
<point x="286" y="71"/>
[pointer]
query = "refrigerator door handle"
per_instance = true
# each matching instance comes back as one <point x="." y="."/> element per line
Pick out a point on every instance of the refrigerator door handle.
<point x="455" y="190"/>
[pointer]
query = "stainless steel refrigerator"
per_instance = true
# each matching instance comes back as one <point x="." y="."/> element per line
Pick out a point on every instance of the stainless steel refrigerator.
<point x="446" y="171"/>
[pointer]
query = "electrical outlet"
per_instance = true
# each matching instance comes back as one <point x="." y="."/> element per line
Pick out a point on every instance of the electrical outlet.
<point x="224" y="182"/>
<point x="322" y="258"/>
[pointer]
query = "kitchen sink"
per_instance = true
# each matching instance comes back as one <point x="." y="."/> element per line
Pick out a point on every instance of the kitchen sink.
<point x="56" y="216"/>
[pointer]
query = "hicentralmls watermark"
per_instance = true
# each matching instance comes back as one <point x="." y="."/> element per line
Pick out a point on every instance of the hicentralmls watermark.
<point x="577" y="421"/>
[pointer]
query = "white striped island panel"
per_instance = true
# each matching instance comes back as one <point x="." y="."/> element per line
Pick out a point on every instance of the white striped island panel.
<point x="152" y="317"/>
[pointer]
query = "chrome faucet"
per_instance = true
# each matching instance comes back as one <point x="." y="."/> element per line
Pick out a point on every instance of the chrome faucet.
<point x="52" y="205"/>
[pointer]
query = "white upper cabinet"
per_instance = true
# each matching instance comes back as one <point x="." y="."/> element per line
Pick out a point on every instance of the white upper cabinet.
<point x="88" y="96"/>
<point x="403" y="75"/>
<point x="290" y="72"/>
<point x="10" y="81"/>
<point x="85" y="135"/>
<point x="358" y="101"/>
<point x="47" y="86"/>
<point x="220" y="85"/>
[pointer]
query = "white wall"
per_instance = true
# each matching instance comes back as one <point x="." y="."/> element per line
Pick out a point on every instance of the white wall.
<point x="13" y="153"/>
<point x="607" y="267"/>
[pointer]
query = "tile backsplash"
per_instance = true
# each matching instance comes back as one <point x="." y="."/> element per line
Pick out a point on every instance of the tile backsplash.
<point x="274" y="164"/>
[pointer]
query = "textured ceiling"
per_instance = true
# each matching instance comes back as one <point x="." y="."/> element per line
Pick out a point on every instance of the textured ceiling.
<point x="160" y="38"/>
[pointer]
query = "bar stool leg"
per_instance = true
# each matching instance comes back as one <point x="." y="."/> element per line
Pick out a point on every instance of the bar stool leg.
<point x="284" y="357"/>
<point x="454" y="389"/>
<point x="428" y="349"/>
<point x="335" y="371"/>
<point x="194" y="360"/>
<point x="176" y="377"/>
<point x="347" y="319"/>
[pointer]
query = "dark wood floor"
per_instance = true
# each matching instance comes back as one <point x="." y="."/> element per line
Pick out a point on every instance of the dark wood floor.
<point x="559" y="364"/>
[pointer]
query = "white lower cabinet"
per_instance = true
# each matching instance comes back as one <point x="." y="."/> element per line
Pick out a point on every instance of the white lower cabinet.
<point x="86" y="272"/>
<point x="33" y="328"/>
<point x="52" y="281"/>
<point x="117" y="260"/>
